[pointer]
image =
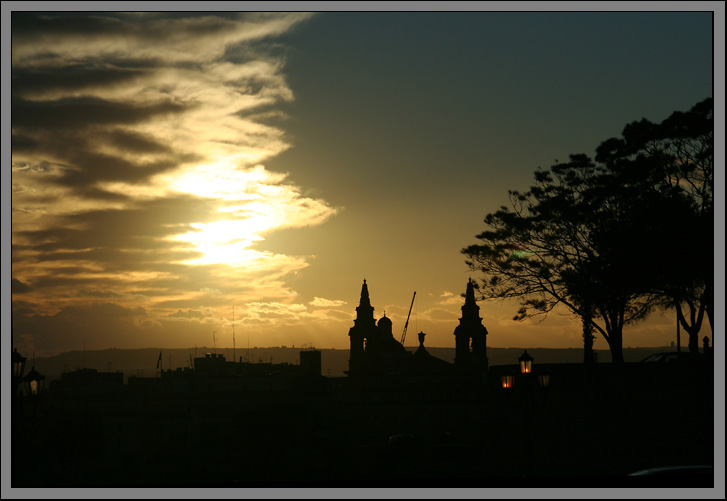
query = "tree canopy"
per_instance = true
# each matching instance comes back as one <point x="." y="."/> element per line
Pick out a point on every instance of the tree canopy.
<point x="614" y="237"/>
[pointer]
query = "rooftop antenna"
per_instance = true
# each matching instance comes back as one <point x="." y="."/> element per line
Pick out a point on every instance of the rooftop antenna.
<point x="233" y="333"/>
<point x="214" y="343"/>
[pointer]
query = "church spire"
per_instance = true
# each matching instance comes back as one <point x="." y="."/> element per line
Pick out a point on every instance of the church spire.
<point x="364" y="310"/>
<point x="365" y="301"/>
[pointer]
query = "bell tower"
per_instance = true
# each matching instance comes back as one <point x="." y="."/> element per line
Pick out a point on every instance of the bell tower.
<point x="363" y="325"/>
<point x="470" y="330"/>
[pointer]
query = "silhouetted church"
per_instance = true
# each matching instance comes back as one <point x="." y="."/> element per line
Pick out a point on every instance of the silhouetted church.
<point x="376" y="353"/>
<point x="470" y="332"/>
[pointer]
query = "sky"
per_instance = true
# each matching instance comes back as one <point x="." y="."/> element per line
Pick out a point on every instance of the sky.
<point x="184" y="179"/>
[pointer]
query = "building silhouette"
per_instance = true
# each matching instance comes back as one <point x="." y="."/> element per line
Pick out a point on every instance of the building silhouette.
<point x="375" y="353"/>
<point x="373" y="347"/>
<point x="400" y="415"/>
<point x="471" y="336"/>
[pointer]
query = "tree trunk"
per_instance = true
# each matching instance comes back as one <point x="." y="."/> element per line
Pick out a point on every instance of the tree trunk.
<point x="708" y="300"/>
<point x="694" y="325"/>
<point x="694" y="342"/>
<point x="615" y="344"/>
<point x="588" y="337"/>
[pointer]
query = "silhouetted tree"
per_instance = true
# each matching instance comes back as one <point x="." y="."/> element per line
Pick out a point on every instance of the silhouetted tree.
<point x="678" y="154"/>
<point x="609" y="239"/>
<point x="588" y="337"/>
<point x="561" y="243"/>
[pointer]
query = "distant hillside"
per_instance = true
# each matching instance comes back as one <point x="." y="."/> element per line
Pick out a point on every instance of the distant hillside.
<point x="143" y="362"/>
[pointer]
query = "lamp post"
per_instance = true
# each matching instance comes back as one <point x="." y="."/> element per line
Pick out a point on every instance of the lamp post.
<point x="34" y="387"/>
<point x="18" y="366"/>
<point x="527" y="383"/>
<point x="25" y="425"/>
<point x="526" y="369"/>
<point x="18" y="370"/>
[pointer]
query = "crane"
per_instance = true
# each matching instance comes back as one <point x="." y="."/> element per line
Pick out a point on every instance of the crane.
<point x="403" y="334"/>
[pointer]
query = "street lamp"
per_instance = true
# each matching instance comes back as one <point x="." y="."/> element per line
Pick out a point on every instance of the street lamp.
<point x="506" y="381"/>
<point x="18" y="370"/>
<point x="18" y="364"/>
<point x="34" y="383"/>
<point x="526" y="363"/>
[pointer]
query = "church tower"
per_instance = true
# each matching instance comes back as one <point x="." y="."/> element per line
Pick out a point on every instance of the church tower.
<point x="363" y="325"/>
<point x="470" y="330"/>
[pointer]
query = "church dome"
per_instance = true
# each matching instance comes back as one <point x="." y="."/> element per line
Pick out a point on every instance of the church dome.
<point x="385" y="325"/>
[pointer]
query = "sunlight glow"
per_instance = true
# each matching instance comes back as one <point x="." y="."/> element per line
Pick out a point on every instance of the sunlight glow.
<point x="222" y="180"/>
<point x="250" y="203"/>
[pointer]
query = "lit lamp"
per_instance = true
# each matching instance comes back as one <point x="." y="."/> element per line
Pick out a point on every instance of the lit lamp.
<point x="506" y="381"/>
<point x="34" y="383"/>
<point x="526" y="363"/>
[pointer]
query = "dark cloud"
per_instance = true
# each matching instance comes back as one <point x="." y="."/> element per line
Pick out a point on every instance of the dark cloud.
<point x="30" y="25"/>
<point x="75" y="77"/>
<point x="101" y="310"/>
<point x="101" y="323"/>
<point x="21" y="143"/>
<point x="99" y="294"/>
<point x="95" y="193"/>
<point x="79" y="251"/>
<point x="139" y="228"/>
<point x="97" y="154"/>
<point x="19" y="287"/>
<point x="195" y="302"/>
<point x="67" y="282"/>
<point x="134" y="141"/>
<point x="82" y="112"/>
<point x="92" y="167"/>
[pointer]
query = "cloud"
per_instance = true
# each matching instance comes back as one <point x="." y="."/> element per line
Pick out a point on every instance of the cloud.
<point x="99" y="294"/>
<point x="38" y="37"/>
<point x="19" y="287"/>
<point x="189" y="314"/>
<point x="450" y="298"/>
<point x="80" y="100"/>
<point x="320" y="302"/>
<point x="440" y="315"/>
<point x="137" y="175"/>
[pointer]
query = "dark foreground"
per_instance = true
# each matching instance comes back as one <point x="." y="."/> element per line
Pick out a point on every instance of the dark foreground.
<point x="589" y="428"/>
